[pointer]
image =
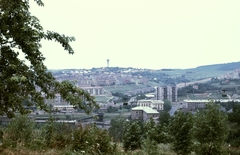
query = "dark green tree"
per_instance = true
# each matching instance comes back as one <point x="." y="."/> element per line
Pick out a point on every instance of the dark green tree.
<point x="167" y="106"/>
<point x="132" y="135"/>
<point x="234" y="133"/>
<point x="162" y="134"/>
<point x="116" y="129"/>
<point x="149" y="129"/>
<point x="164" y="117"/>
<point x="21" y="32"/>
<point x="180" y="131"/>
<point x="235" y="115"/>
<point x="210" y="130"/>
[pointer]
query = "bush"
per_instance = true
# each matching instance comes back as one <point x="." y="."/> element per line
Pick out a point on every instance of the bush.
<point x="92" y="140"/>
<point x="57" y="135"/>
<point x="19" y="130"/>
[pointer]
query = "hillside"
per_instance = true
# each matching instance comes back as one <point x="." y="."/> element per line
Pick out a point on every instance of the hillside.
<point x="202" y="72"/>
<point x="133" y="80"/>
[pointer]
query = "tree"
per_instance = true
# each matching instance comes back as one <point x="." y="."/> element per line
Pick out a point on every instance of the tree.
<point x="210" y="129"/>
<point x="21" y="32"/>
<point x="132" y="135"/>
<point x="164" y="117"/>
<point x="149" y="129"/>
<point x="167" y="106"/>
<point x="180" y="130"/>
<point x="234" y="133"/>
<point x="116" y="129"/>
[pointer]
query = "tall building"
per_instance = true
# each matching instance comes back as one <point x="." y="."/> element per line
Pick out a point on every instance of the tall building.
<point x="166" y="93"/>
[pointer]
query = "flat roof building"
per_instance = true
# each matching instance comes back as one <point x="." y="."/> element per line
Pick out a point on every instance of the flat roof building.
<point x="154" y="104"/>
<point x="143" y="113"/>
<point x="192" y="105"/>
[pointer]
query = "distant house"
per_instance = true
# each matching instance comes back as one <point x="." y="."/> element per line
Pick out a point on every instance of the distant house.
<point x="143" y="113"/>
<point x="154" y="104"/>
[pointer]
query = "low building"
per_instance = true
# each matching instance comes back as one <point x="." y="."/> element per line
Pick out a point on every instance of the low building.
<point x="154" y="104"/>
<point x="143" y="113"/>
<point x="192" y="105"/>
<point x="66" y="107"/>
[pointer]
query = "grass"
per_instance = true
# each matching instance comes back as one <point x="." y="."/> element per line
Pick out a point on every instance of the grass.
<point x="164" y="149"/>
<point x="102" y="99"/>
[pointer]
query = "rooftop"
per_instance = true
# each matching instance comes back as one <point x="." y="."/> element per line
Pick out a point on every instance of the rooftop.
<point x="151" y="101"/>
<point x="146" y="109"/>
<point x="215" y="100"/>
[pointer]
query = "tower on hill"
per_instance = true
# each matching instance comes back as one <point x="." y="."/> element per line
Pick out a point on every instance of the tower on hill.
<point x="107" y="62"/>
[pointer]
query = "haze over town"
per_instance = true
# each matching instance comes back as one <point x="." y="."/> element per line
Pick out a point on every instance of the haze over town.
<point x="142" y="34"/>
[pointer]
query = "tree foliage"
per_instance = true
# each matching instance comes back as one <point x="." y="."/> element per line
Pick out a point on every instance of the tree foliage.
<point x="116" y="129"/>
<point x="210" y="129"/>
<point x="167" y="105"/>
<point x="180" y="130"/>
<point x="21" y="32"/>
<point x="234" y="133"/>
<point x="132" y="135"/>
<point x="164" y="117"/>
<point x="19" y="130"/>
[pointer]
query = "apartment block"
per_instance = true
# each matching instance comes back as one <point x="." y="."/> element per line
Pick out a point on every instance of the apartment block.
<point x="166" y="93"/>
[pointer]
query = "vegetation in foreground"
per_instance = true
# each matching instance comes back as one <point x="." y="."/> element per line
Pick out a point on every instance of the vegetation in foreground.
<point x="207" y="132"/>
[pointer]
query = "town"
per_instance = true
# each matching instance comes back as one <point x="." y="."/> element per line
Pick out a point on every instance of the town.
<point x="118" y="88"/>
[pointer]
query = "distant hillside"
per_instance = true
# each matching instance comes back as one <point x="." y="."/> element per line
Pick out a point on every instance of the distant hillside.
<point x="203" y="72"/>
<point x="165" y="76"/>
<point x="221" y="67"/>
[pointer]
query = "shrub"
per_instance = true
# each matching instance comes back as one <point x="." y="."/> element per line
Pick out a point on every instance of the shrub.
<point x="92" y="140"/>
<point x="57" y="135"/>
<point x="19" y="130"/>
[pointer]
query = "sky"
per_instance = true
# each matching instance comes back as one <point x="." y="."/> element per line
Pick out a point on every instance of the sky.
<point x="150" y="34"/>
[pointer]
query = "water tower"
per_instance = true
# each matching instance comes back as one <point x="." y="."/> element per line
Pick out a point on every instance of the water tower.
<point x="107" y="62"/>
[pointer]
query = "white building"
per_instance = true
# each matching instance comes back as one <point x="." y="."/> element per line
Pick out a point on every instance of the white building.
<point x="192" y="105"/>
<point x="143" y="113"/>
<point x="154" y="104"/>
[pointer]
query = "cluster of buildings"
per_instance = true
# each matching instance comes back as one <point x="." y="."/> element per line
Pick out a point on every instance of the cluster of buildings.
<point x="151" y="107"/>
<point x="146" y="109"/>
<point x="102" y="78"/>
<point x="232" y="75"/>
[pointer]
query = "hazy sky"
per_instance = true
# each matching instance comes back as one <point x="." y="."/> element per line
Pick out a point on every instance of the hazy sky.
<point x="152" y="34"/>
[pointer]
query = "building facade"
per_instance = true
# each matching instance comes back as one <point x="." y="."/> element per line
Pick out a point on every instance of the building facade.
<point x="193" y="105"/>
<point x="94" y="90"/>
<point x="154" y="104"/>
<point x="143" y="113"/>
<point x="166" y="93"/>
